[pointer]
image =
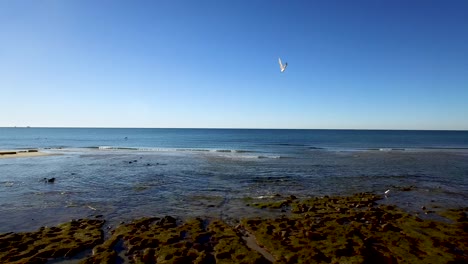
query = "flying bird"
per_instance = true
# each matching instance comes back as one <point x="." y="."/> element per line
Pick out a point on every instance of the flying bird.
<point x="282" y="66"/>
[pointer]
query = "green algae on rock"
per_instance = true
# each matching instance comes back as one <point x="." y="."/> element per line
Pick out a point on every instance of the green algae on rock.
<point x="64" y="240"/>
<point x="164" y="240"/>
<point x="355" y="230"/>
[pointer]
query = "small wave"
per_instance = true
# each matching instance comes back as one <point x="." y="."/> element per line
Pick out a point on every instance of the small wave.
<point x="192" y="149"/>
<point x="8" y="184"/>
<point x="134" y="148"/>
<point x="290" y="144"/>
<point x="259" y="157"/>
<point x="232" y="150"/>
<point x="171" y="149"/>
<point x="385" y="149"/>
<point x="419" y="149"/>
<point x="269" y="157"/>
<point x="266" y="196"/>
<point x="391" y="149"/>
<point x="448" y="148"/>
<point x="115" y="148"/>
<point x="57" y="147"/>
<point x="253" y="156"/>
<point x="242" y="151"/>
<point x="222" y="150"/>
<point x="150" y="149"/>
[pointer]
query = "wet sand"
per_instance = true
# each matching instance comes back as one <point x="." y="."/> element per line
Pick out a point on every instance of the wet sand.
<point x="352" y="229"/>
<point x="4" y="154"/>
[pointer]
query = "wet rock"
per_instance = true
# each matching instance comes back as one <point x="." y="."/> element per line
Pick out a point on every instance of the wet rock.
<point x="149" y="255"/>
<point x="383" y="234"/>
<point x="65" y="240"/>
<point x="51" y="180"/>
<point x="168" y="222"/>
<point x="189" y="242"/>
<point x="407" y="189"/>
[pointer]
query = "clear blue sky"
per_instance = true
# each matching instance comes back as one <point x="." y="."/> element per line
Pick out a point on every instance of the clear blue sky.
<point x="352" y="64"/>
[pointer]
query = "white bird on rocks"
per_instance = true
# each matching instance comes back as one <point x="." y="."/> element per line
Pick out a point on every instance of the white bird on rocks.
<point x="282" y="66"/>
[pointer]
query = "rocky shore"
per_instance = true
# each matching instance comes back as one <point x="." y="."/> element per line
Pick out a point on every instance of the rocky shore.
<point x="353" y="229"/>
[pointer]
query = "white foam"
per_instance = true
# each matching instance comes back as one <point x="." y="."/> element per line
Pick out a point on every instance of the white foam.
<point x="237" y="156"/>
<point x="173" y="149"/>
<point x="265" y="197"/>
<point x="135" y="148"/>
<point x="385" y="149"/>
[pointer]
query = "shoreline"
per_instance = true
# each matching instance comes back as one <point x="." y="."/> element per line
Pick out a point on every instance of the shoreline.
<point x="352" y="229"/>
<point x="26" y="153"/>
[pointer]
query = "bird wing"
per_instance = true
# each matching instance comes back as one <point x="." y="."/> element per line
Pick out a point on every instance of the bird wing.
<point x="282" y="66"/>
<point x="280" y="63"/>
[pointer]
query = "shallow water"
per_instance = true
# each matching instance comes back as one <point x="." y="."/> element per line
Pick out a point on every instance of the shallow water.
<point x="125" y="184"/>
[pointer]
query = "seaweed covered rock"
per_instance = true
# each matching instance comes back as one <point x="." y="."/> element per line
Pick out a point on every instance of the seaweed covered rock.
<point x="357" y="230"/>
<point x="353" y="229"/>
<point x="165" y="240"/>
<point x="64" y="240"/>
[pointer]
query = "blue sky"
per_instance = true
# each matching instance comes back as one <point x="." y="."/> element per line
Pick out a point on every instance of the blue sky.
<point x="352" y="64"/>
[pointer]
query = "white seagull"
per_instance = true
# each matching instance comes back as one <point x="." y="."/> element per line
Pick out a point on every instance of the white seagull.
<point x="282" y="67"/>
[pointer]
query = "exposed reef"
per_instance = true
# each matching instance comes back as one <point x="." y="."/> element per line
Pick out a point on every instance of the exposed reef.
<point x="353" y="229"/>
<point x="163" y="240"/>
<point x="357" y="230"/>
<point x="64" y="240"/>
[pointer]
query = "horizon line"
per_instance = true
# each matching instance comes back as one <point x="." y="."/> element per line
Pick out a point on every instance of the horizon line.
<point x="242" y="128"/>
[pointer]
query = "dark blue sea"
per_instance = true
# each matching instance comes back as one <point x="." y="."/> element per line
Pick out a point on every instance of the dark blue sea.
<point x="123" y="174"/>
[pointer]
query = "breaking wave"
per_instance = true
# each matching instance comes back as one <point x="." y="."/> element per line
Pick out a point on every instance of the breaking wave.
<point x="152" y="149"/>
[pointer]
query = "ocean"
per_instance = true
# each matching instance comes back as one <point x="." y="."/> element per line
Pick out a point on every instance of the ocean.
<point x="122" y="174"/>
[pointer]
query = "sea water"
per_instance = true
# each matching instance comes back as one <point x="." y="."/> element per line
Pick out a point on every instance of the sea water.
<point x="123" y="174"/>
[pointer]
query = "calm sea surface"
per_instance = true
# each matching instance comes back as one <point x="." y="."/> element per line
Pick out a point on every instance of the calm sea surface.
<point x="127" y="173"/>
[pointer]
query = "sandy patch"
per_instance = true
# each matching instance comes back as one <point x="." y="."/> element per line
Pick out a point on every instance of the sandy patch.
<point x="4" y="154"/>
